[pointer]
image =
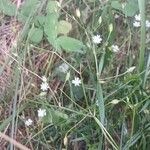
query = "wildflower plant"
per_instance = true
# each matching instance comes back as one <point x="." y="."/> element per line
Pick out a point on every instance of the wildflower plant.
<point x="92" y="94"/>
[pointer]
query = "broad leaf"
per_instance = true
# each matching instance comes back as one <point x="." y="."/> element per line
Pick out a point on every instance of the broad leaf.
<point x="36" y="35"/>
<point x="116" y="5"/>
<point x="52" y="7"/>
<point x="27" y="9"/>
<point x="64" y="27"/>
<point x="7" y="7"/>
<point x="40" y="20"/>
<point x="50" y="27"/>
<point x="70" y="44"/>
<point x="54" y="43"/>
<point x="130" y="7"/>
<point x="55" y="117"/>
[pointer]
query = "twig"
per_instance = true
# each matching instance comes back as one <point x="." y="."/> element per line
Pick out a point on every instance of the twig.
<point x="14" y="142"/>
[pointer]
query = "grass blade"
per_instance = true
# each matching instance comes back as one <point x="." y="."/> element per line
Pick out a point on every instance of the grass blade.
<point x="143" y="34"/>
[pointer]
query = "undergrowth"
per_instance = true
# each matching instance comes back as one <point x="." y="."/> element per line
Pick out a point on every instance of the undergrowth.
<point x="74" y="74"/>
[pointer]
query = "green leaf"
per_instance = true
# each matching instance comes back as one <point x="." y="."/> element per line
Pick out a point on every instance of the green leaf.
<point x="131" y="8"/>
<point x="52" y="7"/>
<point x="7" y="7"/>
<point x="27" y="9"/>
<point x="54" y="43"/>
<point x="116" y="5"/>
<point x="41" y="20"/>
<point x="55" y="117"/>
<point x="70" y="44"/>
<point x="36" y="35"/>
<point x="50" y="29"/>
<point x="64" y="27"/>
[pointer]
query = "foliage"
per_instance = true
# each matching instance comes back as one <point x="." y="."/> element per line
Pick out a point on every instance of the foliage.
<point x="109" y="106"/>
<point x="129" y="9"/>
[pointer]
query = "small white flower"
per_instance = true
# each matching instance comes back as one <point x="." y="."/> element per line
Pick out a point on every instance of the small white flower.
<point x="28" y="122"/>
<point x="147" y="23"/>
<point x="76" y="81"/>
<point x="137" y="17"/>
<point x="44" y="79"/>
<point x="116" y="16"/>
<point x="63" y="67"/>
<point x="136" y="24"/>
<point x="97" y="39"/>
<point x="115" y="48"/>
<point x="41" y="113"/>
<point x="131" y="69"/>
<point x="44" y="86"/>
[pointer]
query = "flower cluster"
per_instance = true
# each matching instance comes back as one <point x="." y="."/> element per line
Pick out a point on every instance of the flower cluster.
<point x="115" y="48"/>
<point x="44" y="85"/>
<point x="28" y="122"/>
<point x="41" y="114"/>
<point x="137" y="21"/>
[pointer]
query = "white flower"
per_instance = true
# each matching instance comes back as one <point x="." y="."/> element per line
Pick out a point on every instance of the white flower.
<point x="131" y="69"/>
<point x="41" y="113"/>
<point x="76" y="81"/>
<point x="63" y="67"/>
<point x="147" y="23"/>
<point x="115" y="48"/>
<point x="136" y="24"/>
<point x="116" y="16"/>
<point x="97" y="39"/>
<point x="44" y="86"/>
<point x="28" y="122"/>
<point x="137" y="17"/>
<point x="44" y="79"/>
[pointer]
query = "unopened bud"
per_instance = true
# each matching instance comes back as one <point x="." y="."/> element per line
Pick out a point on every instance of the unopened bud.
<point x="78" y="14"/>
